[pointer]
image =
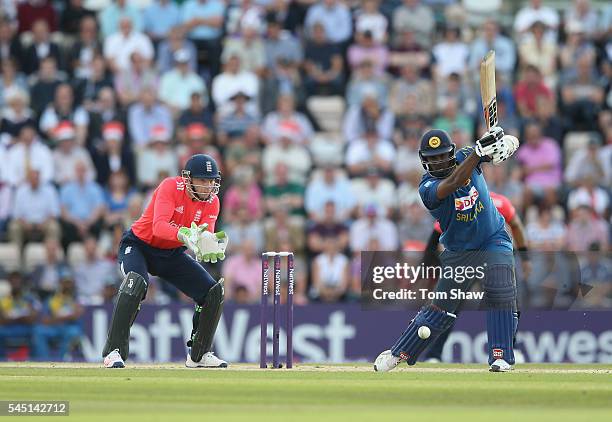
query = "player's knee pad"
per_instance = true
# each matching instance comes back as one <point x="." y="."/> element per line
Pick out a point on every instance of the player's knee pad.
<point x="410" y="345"/>
<point x="210" y="311"/>
<point x="132" y="291"/>
<point x="500" y="287"/>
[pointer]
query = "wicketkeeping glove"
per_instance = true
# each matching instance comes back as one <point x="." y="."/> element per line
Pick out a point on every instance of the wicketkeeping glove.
<point x="190" y="237"/>
<point x="212" y="246"/>
<point x="489" y="143"/>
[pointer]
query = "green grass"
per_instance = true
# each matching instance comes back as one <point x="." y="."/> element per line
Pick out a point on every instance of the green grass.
<point x="453" y="393"/>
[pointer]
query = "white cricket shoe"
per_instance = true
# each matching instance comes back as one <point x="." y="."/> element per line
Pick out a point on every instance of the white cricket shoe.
<point x="519" y="357"/>
<point x="386" y="362"/>
<point x="113" y="360"/>
<point x="209" y="360"/>
<point x="500" y="365"/>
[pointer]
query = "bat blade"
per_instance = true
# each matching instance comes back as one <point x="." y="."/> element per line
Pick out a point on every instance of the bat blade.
<point x="487" y="89"/>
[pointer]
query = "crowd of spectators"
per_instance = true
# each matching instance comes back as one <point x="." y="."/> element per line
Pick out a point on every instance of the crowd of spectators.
<point x="102" y="99"/>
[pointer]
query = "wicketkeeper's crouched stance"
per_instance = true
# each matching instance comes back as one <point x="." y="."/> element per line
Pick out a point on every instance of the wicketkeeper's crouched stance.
<point x="182" y="215"/>
<point x="456" y="194"/>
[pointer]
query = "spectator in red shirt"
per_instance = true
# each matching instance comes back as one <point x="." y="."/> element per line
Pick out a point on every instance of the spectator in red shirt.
<point x="529" y="89"/>
<point x="30" y="11"/>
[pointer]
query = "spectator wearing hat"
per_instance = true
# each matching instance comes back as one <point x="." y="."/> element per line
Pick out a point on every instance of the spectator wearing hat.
<point x="15" y="114"/>
<point x="197" y="112"/>
<point x="60" y="321"/>
<point x="238" y="120"/>
<point x="129" y="83"/>
<point x="248" y="46"/>
<point x="82" y="207"/>
<point x="285" y="113"/>
<point x="540" y="160"/>
<point x="67" y="153"/>
<point x="234" y="80"/>
<point x="42" y="46"/>
<point x="197" y="140"/>
<point x="119" y="46"/>
<point x="178" y="84"/>
<point x="323" y="64"/>
<point x="334" y="16"/>
<point x="64" y="108"/>
<point x="203" y="19"/>
<point x="146" y="114"/>
<point x="26" y="154"/>
<point x="171" y="44"/>
<point x="157" y="158"/>
<point x="35" y="212"/>
<point x="373" y="225"/>
<point x="112" y="154"/>
<point x="159" y="18"/>
<point x="114" y="13"/>
<point x="93" y="273"/>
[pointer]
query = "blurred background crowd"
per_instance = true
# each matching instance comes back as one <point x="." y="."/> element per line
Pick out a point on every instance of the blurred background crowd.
<point x="312" y="108"/>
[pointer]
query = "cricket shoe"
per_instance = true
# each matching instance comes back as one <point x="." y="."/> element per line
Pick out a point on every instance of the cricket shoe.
<point x="386" y="362"/>
<point x="500" y="365"/>
<point x="113" y="360"/>
<point x="209" y="360"/>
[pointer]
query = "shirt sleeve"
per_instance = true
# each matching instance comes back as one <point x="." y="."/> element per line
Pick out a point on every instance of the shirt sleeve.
<point x="428" y="190"/>
<point x="163" y="209"/>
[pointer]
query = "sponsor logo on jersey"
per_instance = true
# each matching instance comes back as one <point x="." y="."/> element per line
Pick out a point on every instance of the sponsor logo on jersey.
<point x="197" y="216"/>
<point x="465" y="203"/>
<point x="180" y="209"/>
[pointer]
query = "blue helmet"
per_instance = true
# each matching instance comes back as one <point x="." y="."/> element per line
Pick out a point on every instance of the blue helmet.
<point x="202" y="166"/>
<point x="436" y="143"/>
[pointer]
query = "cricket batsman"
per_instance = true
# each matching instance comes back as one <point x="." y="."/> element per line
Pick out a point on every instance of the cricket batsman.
<point x="455" y="192"/>
<point x="181" y="216"/>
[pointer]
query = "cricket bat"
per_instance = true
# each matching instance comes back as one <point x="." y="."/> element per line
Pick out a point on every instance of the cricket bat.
<point x="487" y="89"/>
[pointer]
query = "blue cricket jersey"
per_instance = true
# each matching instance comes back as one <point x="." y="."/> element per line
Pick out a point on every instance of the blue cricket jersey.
<point x="468" y="218"/>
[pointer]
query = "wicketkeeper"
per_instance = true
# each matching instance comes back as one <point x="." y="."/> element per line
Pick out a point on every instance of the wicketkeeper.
<point x="182" y="215"/>
<point x="474" y="234"/>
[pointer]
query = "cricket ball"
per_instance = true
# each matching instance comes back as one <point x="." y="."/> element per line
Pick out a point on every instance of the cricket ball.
<point x="424" y="332"/>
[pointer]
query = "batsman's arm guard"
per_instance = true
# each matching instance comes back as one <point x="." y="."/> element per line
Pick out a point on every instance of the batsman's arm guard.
<point x="205" y="326"/>
<point x="132" y="291"/>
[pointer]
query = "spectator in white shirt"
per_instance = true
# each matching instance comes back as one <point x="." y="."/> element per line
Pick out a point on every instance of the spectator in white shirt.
<point x="370" y="19"/>
<point x="68" y="153"/>
<point x="28" y="153"/>
<point x="232" y="81"/>
<point x="330" y="273"/>
<point x="118" y="47"/>
<point x="451" y="55"/>
<point x="35" y="211"/>
<point x="370" y="152"/>
<point x="374" y="189"/>
<point x="370" y="227"/>
<point x="178" y="84"/>
<point x="287" y="151"/>
<point x="329" y="187"/>
<point x="536" y="12"/>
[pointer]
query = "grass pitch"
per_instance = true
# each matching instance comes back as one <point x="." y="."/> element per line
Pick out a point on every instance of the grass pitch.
<point x="316" y="392"/>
